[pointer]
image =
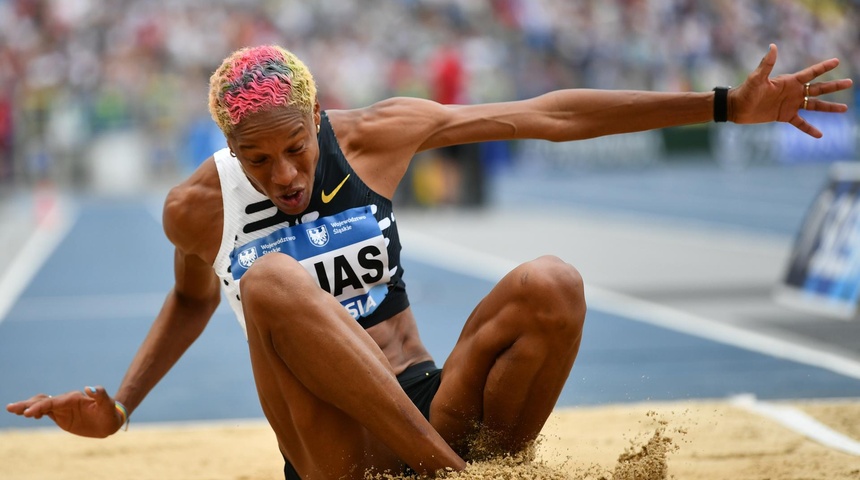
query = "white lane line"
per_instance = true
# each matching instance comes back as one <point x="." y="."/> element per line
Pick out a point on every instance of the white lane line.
<point x="93" y="307"/>
<point x="799" y="422"/>
<point x="435" y="251"/>
<point x="88" y="307"/>
<point x="49" y="233"/>
<point x="667" y="317"/>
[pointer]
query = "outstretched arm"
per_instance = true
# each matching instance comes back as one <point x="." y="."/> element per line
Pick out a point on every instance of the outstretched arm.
<point x="186" y="311"/>
<point x="576" y="114"/>
<point x="91" y="413"/>
<point x="397" y="128"/>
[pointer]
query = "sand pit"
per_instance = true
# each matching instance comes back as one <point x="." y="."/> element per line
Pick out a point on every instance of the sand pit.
<point x="687" y="440"/>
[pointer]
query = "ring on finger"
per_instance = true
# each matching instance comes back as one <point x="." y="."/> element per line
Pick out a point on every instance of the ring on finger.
<point x="806" y="91"/>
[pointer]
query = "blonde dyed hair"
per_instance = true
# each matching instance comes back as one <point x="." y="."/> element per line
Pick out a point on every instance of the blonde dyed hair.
<point x="259" y="78"/>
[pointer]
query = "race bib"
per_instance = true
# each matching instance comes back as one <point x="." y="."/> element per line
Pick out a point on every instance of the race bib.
<point x="344" y="252"/>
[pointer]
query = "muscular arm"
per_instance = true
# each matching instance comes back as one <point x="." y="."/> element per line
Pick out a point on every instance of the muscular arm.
<point x="186" y="311"/>
<point x="195" y="295"/>
<point x="566" y="115"/>
<point x="380" y="140"/>
<point x="562" y="115"/>
<point x="192" y="214"/>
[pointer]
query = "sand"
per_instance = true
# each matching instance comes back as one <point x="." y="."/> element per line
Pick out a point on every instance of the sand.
<point x="687" y="440"/>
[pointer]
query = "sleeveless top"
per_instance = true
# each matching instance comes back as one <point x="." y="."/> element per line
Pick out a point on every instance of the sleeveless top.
<point x="346" y="239"/>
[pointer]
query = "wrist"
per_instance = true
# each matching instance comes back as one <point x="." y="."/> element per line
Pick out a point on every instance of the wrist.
<point x="121" y="414"/>
<point x="722" y="107"/>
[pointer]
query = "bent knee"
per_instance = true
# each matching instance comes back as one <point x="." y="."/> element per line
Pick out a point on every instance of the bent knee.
<point x="551" y="279"/>
<point x="553" y="289"/>
<point x="270" y="269"/>
<point x="272" y="275"/>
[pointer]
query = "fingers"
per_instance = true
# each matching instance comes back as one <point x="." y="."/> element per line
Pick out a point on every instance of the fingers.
<point x="38" y="409"/>
<point x="823" y="88"/>
<point x="811" y="73"/>
<point x="99" y="394"/>
<point x="805" y="126"/>
<point x="19" y="407"/>
<point x="41" y="404"/>
<point x="33" y="407"/>
<point x="765" y="68"/>
<point x="817" y="105"/>
<point x="814" y="104"/>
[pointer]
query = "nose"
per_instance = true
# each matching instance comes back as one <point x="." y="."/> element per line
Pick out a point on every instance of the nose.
<point x="283" y="171"/>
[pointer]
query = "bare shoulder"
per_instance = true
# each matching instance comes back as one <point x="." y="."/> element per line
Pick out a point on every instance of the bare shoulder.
<point x="404" y="123"/>
<point x="398" y="120"/>
<point x="193" y="213"/>
<point x="380" y="140"/>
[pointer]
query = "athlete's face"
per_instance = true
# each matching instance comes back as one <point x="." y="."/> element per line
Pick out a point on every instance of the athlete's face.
<point x="278" y="151"/>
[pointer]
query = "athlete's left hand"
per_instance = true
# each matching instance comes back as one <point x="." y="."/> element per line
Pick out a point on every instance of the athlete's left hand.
<point x="761" y="99"/>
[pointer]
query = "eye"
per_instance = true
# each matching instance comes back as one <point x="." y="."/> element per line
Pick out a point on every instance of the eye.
<point x="257" y="161"/>
<point x="296" y="149"/>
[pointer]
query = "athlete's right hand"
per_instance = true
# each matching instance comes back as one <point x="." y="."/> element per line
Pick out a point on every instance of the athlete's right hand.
<point x="90" y="413"/>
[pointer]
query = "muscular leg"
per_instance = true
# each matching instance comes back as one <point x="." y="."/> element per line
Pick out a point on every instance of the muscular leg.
<point x="325" y="386"/>
<point x="513" y="357"/>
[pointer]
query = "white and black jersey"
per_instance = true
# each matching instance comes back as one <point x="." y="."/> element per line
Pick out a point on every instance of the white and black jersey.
<point x="346" y="239"/>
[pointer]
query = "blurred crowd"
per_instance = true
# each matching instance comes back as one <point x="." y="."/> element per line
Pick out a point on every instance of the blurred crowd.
<point x="75" y="71"/>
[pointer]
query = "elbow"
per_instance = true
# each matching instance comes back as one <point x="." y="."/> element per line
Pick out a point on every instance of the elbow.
<point x="209" y="303"/>
<point x="198" y="306"/>
<point x="566" y="128"/>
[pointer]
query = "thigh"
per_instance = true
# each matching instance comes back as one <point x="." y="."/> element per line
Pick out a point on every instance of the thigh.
<point x="317" y="438"/>
<point x="513" y="355"/>
<point x="300" y="339"/>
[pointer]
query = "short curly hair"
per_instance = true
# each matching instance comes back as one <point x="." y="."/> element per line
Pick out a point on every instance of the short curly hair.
<point x="257" y="78"/>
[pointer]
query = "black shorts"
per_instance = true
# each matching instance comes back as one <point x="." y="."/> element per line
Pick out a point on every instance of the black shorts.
<point x="419" y="381"/>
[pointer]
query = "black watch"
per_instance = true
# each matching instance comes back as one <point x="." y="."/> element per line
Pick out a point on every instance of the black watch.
<point x="721" y="104"/>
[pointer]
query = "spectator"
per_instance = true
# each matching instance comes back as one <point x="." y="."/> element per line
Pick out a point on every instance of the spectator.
<point x="111" y="55"/>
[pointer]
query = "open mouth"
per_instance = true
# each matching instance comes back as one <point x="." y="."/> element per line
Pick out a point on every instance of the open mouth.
<point x="291" y="201"/>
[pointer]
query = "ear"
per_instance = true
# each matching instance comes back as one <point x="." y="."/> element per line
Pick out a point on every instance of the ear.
<point x="231" y="145"/>
<point x="317" y="112"/>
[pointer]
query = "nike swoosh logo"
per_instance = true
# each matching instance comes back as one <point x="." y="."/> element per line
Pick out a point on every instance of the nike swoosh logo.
<point x="328" y="197"/>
